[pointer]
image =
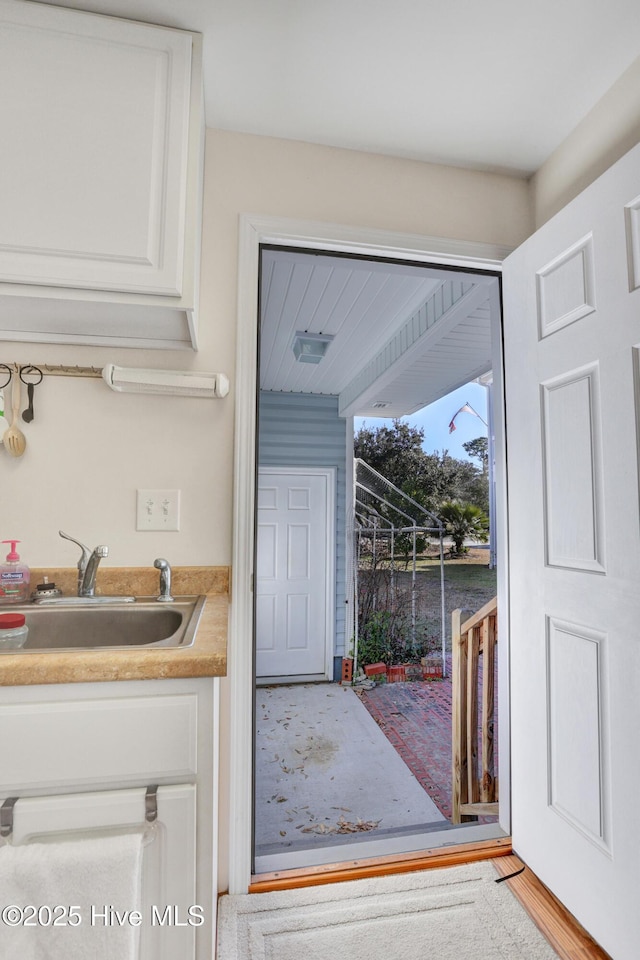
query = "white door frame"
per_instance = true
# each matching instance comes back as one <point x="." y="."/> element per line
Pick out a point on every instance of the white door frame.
<point x="330" y="538"/>
<point x="254" y="231"/>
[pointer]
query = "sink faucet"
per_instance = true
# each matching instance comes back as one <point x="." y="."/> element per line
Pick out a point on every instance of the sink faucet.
<point x="87" y="566"/>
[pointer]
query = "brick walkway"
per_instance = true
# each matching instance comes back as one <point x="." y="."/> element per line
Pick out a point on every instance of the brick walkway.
<point x="416" y="718"/>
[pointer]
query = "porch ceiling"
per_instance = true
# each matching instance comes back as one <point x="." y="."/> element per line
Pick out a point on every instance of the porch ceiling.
<point x="404" y="334"/>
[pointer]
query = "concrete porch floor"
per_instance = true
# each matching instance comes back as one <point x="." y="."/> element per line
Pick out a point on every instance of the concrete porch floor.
<point x="326" y="773"/>
<point x="370" y="770"/>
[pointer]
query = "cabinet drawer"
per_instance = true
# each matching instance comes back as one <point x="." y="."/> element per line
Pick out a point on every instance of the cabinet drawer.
<point x="139" y="739"/>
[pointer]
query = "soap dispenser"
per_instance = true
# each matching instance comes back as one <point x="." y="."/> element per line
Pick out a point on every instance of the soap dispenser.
<point x="14" y="577"/>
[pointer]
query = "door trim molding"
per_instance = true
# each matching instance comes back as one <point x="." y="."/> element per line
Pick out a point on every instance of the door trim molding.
<point x="329" y="473"/>
<point x="255" y="230"/>
<point x="381" y="866"/>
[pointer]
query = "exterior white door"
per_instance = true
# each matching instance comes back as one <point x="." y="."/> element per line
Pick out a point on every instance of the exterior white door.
<point x="294" y="579"/>
<point x="572" y="379"/>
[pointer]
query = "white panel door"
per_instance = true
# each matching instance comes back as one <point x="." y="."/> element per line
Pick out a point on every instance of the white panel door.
<point x="294" y="617"/>
<point x="572" y="377"/>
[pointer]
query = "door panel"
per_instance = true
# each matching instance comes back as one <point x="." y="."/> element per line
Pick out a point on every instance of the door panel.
<point x="572" y="456"/>
<point x="572" y="330"/>
<point x="294" y="620"/>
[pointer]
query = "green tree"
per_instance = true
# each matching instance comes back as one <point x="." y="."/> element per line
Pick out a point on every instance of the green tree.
<point x="464" y="521"/>
<point x="397" y="453"/>
<point x="479" y="449"/>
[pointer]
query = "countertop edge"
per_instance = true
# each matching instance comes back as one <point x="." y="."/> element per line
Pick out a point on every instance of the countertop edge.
<point x="206" y="657"/>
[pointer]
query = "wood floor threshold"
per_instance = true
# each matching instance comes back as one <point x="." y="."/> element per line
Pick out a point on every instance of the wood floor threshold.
<point x="380" y="866"/>
<point x="567" y="937"/>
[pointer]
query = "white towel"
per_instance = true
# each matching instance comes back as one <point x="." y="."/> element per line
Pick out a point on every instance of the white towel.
<point x="89" y="874"/>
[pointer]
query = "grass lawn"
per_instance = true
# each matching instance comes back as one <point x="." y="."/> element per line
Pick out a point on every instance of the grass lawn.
<point x="468" y="585"/>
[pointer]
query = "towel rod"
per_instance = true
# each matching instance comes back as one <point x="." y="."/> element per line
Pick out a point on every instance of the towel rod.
<point x="60" y="369"/>
<point x="176" y="383"/>
<point x="6" y="810"/>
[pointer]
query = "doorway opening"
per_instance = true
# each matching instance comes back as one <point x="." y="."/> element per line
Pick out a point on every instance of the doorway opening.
<point x="341" y="336"/>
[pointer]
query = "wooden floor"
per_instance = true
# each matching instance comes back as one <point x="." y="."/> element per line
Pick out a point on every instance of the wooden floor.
<point x="561" y="929"/>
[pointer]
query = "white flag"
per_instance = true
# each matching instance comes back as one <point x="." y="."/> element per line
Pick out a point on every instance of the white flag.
<point x="466" y="408"/>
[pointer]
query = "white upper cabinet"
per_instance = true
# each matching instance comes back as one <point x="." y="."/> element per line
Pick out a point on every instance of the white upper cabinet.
<point x="100" y="175"/>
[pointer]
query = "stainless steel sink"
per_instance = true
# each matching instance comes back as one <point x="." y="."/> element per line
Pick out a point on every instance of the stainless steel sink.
<point x="118" y="626"/>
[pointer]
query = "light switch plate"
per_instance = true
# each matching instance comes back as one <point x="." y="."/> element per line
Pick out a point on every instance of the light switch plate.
<point x="158" y="510"/>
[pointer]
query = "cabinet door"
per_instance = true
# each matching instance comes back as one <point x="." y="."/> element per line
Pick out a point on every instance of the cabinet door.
<point x="51" y="743"/>
<point x="169" y="855"/>
<point x="93" y="170"/>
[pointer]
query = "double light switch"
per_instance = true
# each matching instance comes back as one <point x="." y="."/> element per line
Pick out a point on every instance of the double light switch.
<point x="158" y="510"/>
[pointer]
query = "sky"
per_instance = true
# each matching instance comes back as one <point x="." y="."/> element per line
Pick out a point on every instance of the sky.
<point x="435" y="420"/>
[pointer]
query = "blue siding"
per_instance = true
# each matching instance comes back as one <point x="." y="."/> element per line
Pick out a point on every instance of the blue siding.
<point x="304" y="430"/>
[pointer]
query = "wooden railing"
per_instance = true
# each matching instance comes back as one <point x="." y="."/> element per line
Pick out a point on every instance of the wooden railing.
<point x="475" y="787"/>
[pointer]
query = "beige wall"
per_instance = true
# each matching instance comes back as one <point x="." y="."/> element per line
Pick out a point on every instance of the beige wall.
<point x="263" y="175"/>
<point x="247" y="174"/>
<point x="89" y="449"/>
<point x="608" y="131"/>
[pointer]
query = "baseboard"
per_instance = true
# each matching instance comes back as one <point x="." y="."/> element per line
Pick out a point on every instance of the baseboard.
<point x="567" y="937"/>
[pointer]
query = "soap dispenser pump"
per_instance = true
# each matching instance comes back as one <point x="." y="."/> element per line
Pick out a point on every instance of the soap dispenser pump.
<point x="14" y="577"/>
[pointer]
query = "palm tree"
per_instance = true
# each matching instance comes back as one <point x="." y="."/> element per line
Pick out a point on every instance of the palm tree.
<point x="463" y="521"/>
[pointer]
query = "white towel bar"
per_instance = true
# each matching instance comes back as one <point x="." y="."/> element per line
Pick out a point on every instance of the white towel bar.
<point x="6" y="810"/>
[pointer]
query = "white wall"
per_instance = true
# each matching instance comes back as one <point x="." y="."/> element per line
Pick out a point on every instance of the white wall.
<point x="608" y="131"/>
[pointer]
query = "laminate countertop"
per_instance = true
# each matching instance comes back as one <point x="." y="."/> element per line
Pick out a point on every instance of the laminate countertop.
<point x="206" y="657"/>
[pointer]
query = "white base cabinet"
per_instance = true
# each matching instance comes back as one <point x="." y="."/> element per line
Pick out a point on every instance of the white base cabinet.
<point x="101" y="162"/>
<point x="80" y="757"/>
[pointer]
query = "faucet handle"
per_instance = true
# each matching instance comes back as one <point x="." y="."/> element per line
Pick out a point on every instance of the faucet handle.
<point x="101" y="551"/>
<point x="86" y="553"/>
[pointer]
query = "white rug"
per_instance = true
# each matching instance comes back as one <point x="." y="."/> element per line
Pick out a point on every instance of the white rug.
<point x="458" y="913"/>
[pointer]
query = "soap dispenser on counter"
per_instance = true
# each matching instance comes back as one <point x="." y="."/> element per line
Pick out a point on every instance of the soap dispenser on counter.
<point x="14" y="577"/>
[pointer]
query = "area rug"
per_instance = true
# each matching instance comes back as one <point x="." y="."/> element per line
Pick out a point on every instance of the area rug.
<point x="459" y="913"/>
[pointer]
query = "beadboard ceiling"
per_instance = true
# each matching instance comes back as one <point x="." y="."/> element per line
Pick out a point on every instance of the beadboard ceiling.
<point x="494" y="85"/>
<point x="404" y="334"/>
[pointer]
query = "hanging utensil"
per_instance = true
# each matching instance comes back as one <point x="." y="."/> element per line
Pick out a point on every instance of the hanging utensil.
<point x="5" y="380"/>
<point x="13" y="438"/>
<point x="30" y="371"/>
